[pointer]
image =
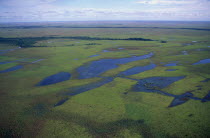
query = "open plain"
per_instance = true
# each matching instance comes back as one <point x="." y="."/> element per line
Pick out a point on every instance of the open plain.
<point x="105" y="79"/>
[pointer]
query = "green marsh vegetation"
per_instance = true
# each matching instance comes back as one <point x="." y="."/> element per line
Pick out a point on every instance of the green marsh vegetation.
<point x="112" y="109"/>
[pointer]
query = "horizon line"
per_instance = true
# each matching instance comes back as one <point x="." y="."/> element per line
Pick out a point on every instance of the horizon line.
<point x="107" y="20"/>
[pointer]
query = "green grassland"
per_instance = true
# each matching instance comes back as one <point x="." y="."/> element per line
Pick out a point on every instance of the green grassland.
<point x="114" y="109"/>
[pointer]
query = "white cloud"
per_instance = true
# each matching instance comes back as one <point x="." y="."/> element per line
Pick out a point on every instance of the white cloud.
<point x="172" y="2"/>
<point x="65" y="13"/>
<point x="24" y="3"/>
<point x="42" y="10"/>
<point x="184" y="9"/>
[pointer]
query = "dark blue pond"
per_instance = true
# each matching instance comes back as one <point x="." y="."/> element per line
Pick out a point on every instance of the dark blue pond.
<point x="56" y="78"/>
<point x="171" y="69"/>
<point x="136" y="70"/>
<point x="5" y="62"/>
<point x="171" y="64"/>
<point x="180" y="99"/>
<point x="200" y="49"/>
<point x="94" y="55"/>
<point x="7" y="50"/>
<point x="61" y="102"/>
<point x="184" y="52"/>
<point x="186" y="44"/>
<point x="204" y="61"/>
<point x="206" y="80"/>
<point x="19" y="60"/>
<point x="84" y="88"/>
<point x="154" y="84"/>
<point x="37" y="60"/>
<point x="206" y="98"/>
<point x="12" y="69"/>
<point x="98" y="67"/>
<point x="106" y="51"/>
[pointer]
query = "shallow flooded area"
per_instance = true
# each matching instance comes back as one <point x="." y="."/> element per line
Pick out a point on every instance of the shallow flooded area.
<point x="203" y="61"/>
<point x="94" y="55"/>
<point x="96" y="68"/>
<point x="171" y="64"/>
<point x="180" y="99"/>
<point x="87" y="87"/>
<point x="8" y="50"/>
<point x="206" y="98"/>
<point x="154" y="84"/>
<point x="12" y="69"/>
<point x="136" y="70"/>
<point x="184" y="52"/>
<point x="56" y="78"/>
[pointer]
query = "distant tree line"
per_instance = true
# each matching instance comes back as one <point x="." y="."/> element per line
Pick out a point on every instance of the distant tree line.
<point x="30" y="41"/>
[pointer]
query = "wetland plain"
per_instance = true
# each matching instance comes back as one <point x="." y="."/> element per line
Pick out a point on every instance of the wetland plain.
<point x="105" y="79"/>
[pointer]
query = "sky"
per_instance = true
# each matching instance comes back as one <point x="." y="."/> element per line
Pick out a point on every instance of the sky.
<point x="88" y="10"/>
